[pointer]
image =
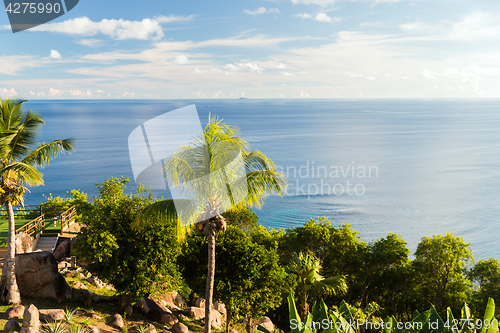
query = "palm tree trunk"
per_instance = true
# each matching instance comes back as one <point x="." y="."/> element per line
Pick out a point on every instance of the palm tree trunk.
<point x="10" y="292"/>
<point x="210" y="281"/>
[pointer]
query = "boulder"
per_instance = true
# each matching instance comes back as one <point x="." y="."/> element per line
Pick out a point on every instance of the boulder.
<point x="217" y="319"/>
<point x="93" y="329"/>
<point x="200" y="303"/>
<point x="51" y="315"/>
<point x="180" y="328"/>
<point x="63" y="265"/>
<point x="87" y="298"/>
<point x="79" y="285"/>
<point x="24" y="243"/>
<point x="37" y="276"/>
<point x="145" y="305"/>
<point x="62" y="250"/>
<point x="266" y="323"/>
<point x="11" y="325"/>
<point x="31" y="320"/>
<point x="116" y="321"/>
<point x="178" y="299"/>
<point x="128" y="311"/>
<point x="14" y="312"/>
<point x="196" y="313"/>
<point x="221" y="308"/>
<point x="96" y="282"/>
<point x="199" y="313"/>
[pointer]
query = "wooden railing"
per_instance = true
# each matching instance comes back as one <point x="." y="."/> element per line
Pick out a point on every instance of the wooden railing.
<point x="67" y="218"/>
<point x="33" y="227"/>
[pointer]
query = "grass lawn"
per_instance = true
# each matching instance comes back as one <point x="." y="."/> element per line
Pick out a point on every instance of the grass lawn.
<point x="4" y="228"/>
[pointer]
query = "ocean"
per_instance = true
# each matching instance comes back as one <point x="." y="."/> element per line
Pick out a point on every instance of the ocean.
<point x="411" y="167"/>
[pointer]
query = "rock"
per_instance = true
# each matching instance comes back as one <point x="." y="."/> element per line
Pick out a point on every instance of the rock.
<point x="150" y="328"/>
<point x="172" y="306"/>
<point x="51" y="315"/>
<point x="11" y="325"/>
<point x="199" y="313"/>
<point x="31" y="320"/>
<point x="93" y="329"/>
<point x="180" y="328"/>
<point x="24" y="243"/>
<point x="128" y="311"/>
<point x="63" y="265"/>
<point x="70" y="273"/>
<point x="217" y="319"/>
<point x="266" y="323"/>
<point x="61" y="250"/>
<point x="221" y="308"/>
<point x="37" y="276"/>
<point x="116" y="321"/>
<point x="166" y="331"/>
<point x="14" y="312"/>
<point x="78" y="285"/>
<point x="162" y="317"/>
<point x="94" y="316"/>
<point x="196" y="313"/>
<point x="96" y="282"/>
<point x="200" y="303"/>
<point x="81" y="276"/>
<point x="87" y="298"/>
<point x="178" y="299"/>
<point x="145" y="305"/>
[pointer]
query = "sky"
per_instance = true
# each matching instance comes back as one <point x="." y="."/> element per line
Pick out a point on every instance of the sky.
<point x="257" y="49"/>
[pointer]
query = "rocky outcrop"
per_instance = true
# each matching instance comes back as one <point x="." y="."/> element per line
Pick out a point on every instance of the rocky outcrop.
<point x="11" y="325"/>
<point x="221" y="308"/>
<point x="24" y="244"/>
<point x="31" y="320"/>
<point x="266" y="323"/>
<point x="62" y="250"/>
<point x="116" y="321"/>
<point x="51" y="315"/>
<point x="200" y="303"/>
<point x="199" y="313"/>
<point x="155" y="311"/>
<point x="14" y="312"/>
<point x="196" y="313"/>
<point x="37" y="276"/>
<point x="180" y="328"/>
<point x="178" y="299"/>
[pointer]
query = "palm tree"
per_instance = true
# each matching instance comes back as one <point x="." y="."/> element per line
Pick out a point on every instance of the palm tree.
<point x="206" y="174"/>
<point x="307" y="268"/>
<point x="19" y="159"/>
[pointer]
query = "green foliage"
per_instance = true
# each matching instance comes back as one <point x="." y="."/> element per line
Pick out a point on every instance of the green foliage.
<point x="486" y="275"/>
<point x="54" y="327"/>
<point x="249" y="280"/>
<point x="440" y="263"/>
<point x="70" y="316"/>
<point x="135" y="262"/>
<point x="243" y="217"/>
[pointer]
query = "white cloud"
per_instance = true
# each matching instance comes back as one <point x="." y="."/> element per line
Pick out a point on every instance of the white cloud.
<point x="181" y="59"/>
<point x="10" y="65"/>
<point x="90" y="42"/>
<point x="262" y="10"/>
<point x="117" y="29"/>
<point x="4" y="93"/>
<point x="55" y="55"/>
<point x="320" y="17"/>
<point x="243" y="66"/>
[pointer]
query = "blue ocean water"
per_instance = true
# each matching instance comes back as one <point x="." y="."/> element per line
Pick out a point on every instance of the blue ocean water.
<point x="410" y="167"/>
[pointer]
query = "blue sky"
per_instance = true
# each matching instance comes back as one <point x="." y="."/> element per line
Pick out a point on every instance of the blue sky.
<point x="257" y="49"/>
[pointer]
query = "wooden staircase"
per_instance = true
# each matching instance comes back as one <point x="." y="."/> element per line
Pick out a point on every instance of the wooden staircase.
<point x="46" y="244"/>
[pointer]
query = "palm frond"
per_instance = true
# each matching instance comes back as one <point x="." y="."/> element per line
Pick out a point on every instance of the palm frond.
<point x="168" y="210"/>
<point x="45" y="152"/>
<point x="22" y="173"/>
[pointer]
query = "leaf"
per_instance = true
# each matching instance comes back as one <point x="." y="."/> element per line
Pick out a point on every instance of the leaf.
<point x="293" y="315"/>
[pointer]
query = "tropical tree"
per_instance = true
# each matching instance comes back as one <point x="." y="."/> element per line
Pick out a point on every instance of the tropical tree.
<point x="307" y="268"/>
<point x="214" y="173"/>
<point x="20" y="156"/>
